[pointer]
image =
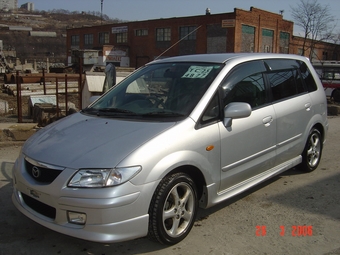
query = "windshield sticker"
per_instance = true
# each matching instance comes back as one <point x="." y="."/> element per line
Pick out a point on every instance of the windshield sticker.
<point x="197" y="72"/>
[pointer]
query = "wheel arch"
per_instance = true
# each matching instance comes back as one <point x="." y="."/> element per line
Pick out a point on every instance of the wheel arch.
<point x="321" y="129"/>
<point x="196" y="175"/>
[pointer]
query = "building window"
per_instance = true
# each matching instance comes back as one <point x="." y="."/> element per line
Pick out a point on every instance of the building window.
<point x="103" y="38"/>
<point x="248" y="39"/>
<point x="75" y="41"/>
<point x="324" y="55"/>
<point x="163" y="34"/>
<point x="267" y="40"/>
<point x="88" y="39"/>
<point x="122" y="38"/>
<point x="186" y="33"/>
<point x="284" y="42"/>
<point x="141" y="32"/>
<point x="314" y="55"/>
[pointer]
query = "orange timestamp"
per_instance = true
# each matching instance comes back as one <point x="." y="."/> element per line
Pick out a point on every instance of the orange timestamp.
<point x="295" y="230"/>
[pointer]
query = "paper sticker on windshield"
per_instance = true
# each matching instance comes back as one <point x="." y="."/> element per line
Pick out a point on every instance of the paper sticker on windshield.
<point x="197" y="72"/>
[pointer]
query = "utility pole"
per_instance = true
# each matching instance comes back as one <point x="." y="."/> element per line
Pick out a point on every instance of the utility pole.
<point x="101" y="8"/>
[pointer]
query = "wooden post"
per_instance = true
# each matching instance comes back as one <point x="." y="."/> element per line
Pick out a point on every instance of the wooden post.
<point x="44" y="84"/>
<point x="66" y="96"/>
<point x="19" y="106"/>
<point x="57" y="96"/>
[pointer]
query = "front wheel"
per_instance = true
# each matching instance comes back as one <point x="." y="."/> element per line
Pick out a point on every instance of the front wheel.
<point x="173" y="209"/>
<point x="311" y="155"/>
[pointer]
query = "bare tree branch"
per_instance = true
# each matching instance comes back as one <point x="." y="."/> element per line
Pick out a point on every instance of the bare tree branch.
<point x="316" y="22"/>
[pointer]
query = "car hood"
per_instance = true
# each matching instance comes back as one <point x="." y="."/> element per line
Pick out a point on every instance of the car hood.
<point x="81" y="141"/>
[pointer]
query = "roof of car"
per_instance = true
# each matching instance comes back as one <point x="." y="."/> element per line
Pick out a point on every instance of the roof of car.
<point x="224" y="57"/>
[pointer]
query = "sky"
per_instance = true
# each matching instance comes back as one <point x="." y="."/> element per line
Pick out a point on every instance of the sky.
<point x="136" y="10"/>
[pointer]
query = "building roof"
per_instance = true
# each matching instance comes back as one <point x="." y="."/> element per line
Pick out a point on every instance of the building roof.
<point x="43" y="34"/>
<point x="20" y="28"/>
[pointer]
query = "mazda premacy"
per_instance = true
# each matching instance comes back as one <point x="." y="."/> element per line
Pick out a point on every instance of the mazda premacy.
<point x="176" y="135"/>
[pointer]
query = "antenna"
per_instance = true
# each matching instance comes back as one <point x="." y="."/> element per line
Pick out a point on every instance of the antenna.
<point x="177" y="42"/>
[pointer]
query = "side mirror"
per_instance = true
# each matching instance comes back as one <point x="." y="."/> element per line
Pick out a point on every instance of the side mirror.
<point x="235" y="111"/>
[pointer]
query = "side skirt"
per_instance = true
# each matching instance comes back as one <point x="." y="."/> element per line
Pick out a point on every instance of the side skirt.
<point x="214" y="196"/>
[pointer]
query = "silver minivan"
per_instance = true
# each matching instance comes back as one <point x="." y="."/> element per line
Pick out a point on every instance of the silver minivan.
<point x="178" y="134"/>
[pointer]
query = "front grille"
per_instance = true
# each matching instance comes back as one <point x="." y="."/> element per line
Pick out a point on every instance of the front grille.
<point x="41" y="174"/>
<point x="39" y="207"/>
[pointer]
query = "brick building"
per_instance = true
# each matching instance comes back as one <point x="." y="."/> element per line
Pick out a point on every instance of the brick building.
<point x="321" y="50"/>
<point x="136" y="43"/>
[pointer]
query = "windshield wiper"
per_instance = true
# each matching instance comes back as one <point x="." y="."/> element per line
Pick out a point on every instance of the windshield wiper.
<point x="163" y="114"/>
<point x="115" y="110"/>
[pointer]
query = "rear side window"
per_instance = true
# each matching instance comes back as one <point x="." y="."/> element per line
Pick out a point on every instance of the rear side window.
<point x="289" y="78"/>
<point x="301" y="75"/>
<point x="284" y="84"/>
<point x="307" y="77"/>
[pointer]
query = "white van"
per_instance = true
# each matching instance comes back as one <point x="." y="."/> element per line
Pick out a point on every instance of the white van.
<point x="178" y="134"/>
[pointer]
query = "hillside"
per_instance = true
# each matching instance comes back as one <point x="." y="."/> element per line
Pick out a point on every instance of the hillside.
<point x="15" y="29"/>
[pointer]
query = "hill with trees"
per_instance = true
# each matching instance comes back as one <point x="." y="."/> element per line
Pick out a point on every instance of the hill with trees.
<point x="19" y="32"/>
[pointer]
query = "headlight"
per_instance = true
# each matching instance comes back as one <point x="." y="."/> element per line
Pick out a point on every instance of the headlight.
<point x="96" y="178"/>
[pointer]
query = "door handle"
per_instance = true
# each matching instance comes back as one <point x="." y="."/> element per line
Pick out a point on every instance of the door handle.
<point x="267" y="120"/>
<point x="308" y="106"/>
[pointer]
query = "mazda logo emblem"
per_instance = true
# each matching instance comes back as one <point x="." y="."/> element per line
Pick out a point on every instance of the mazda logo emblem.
<point x="35" y="172"/>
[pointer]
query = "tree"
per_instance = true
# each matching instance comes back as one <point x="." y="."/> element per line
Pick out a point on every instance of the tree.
<point x="316" y="22"/>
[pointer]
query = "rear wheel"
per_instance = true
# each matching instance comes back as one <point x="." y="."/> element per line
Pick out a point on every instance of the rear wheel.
<point x="173" y="209"/>
<point x="311" y="155"/>
<point x="336" y="95"/>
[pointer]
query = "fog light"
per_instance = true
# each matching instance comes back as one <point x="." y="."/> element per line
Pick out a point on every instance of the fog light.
<point x="76" y="218"/>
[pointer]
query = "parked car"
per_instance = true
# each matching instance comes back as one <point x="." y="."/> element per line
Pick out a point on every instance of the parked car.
<point x="178" y="134"/>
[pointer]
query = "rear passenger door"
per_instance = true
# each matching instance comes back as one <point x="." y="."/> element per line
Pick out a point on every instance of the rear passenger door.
<point x="292" y="105"/>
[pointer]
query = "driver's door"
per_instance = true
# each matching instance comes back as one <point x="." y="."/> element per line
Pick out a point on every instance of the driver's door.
<point x="248" y="145"/>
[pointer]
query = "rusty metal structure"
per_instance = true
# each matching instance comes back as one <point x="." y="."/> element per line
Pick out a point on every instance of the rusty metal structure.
<point x="43" y="78"/>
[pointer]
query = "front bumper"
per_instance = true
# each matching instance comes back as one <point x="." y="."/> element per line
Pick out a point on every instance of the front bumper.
<point x="112" y="214"/>
<point x="104" y="233"/>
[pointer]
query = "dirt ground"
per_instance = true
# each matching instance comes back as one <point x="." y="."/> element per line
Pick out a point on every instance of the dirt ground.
<point x="294" y="213"/>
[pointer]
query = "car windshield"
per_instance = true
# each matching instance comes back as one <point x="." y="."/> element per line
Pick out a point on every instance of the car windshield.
<point x="167" y="90"/>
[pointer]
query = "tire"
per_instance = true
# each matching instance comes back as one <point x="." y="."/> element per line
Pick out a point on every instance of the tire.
<point x="173" y="209"/>
<point x="311" y="155"/>
<point x="336" y="95"/>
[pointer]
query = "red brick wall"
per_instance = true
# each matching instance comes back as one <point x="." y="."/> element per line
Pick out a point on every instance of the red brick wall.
<point x="142" y="49"/>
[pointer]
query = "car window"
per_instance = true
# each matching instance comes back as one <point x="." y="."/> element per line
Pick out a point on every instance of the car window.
<point x="282" y="84"/>
<point x="246" y="84"/>
<point x="212" y="112"/>
<point x="307" y="77"/>
<point x="165" y="90"/>
<point x="286" y="72"/>
<point x="285" y="83"/>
